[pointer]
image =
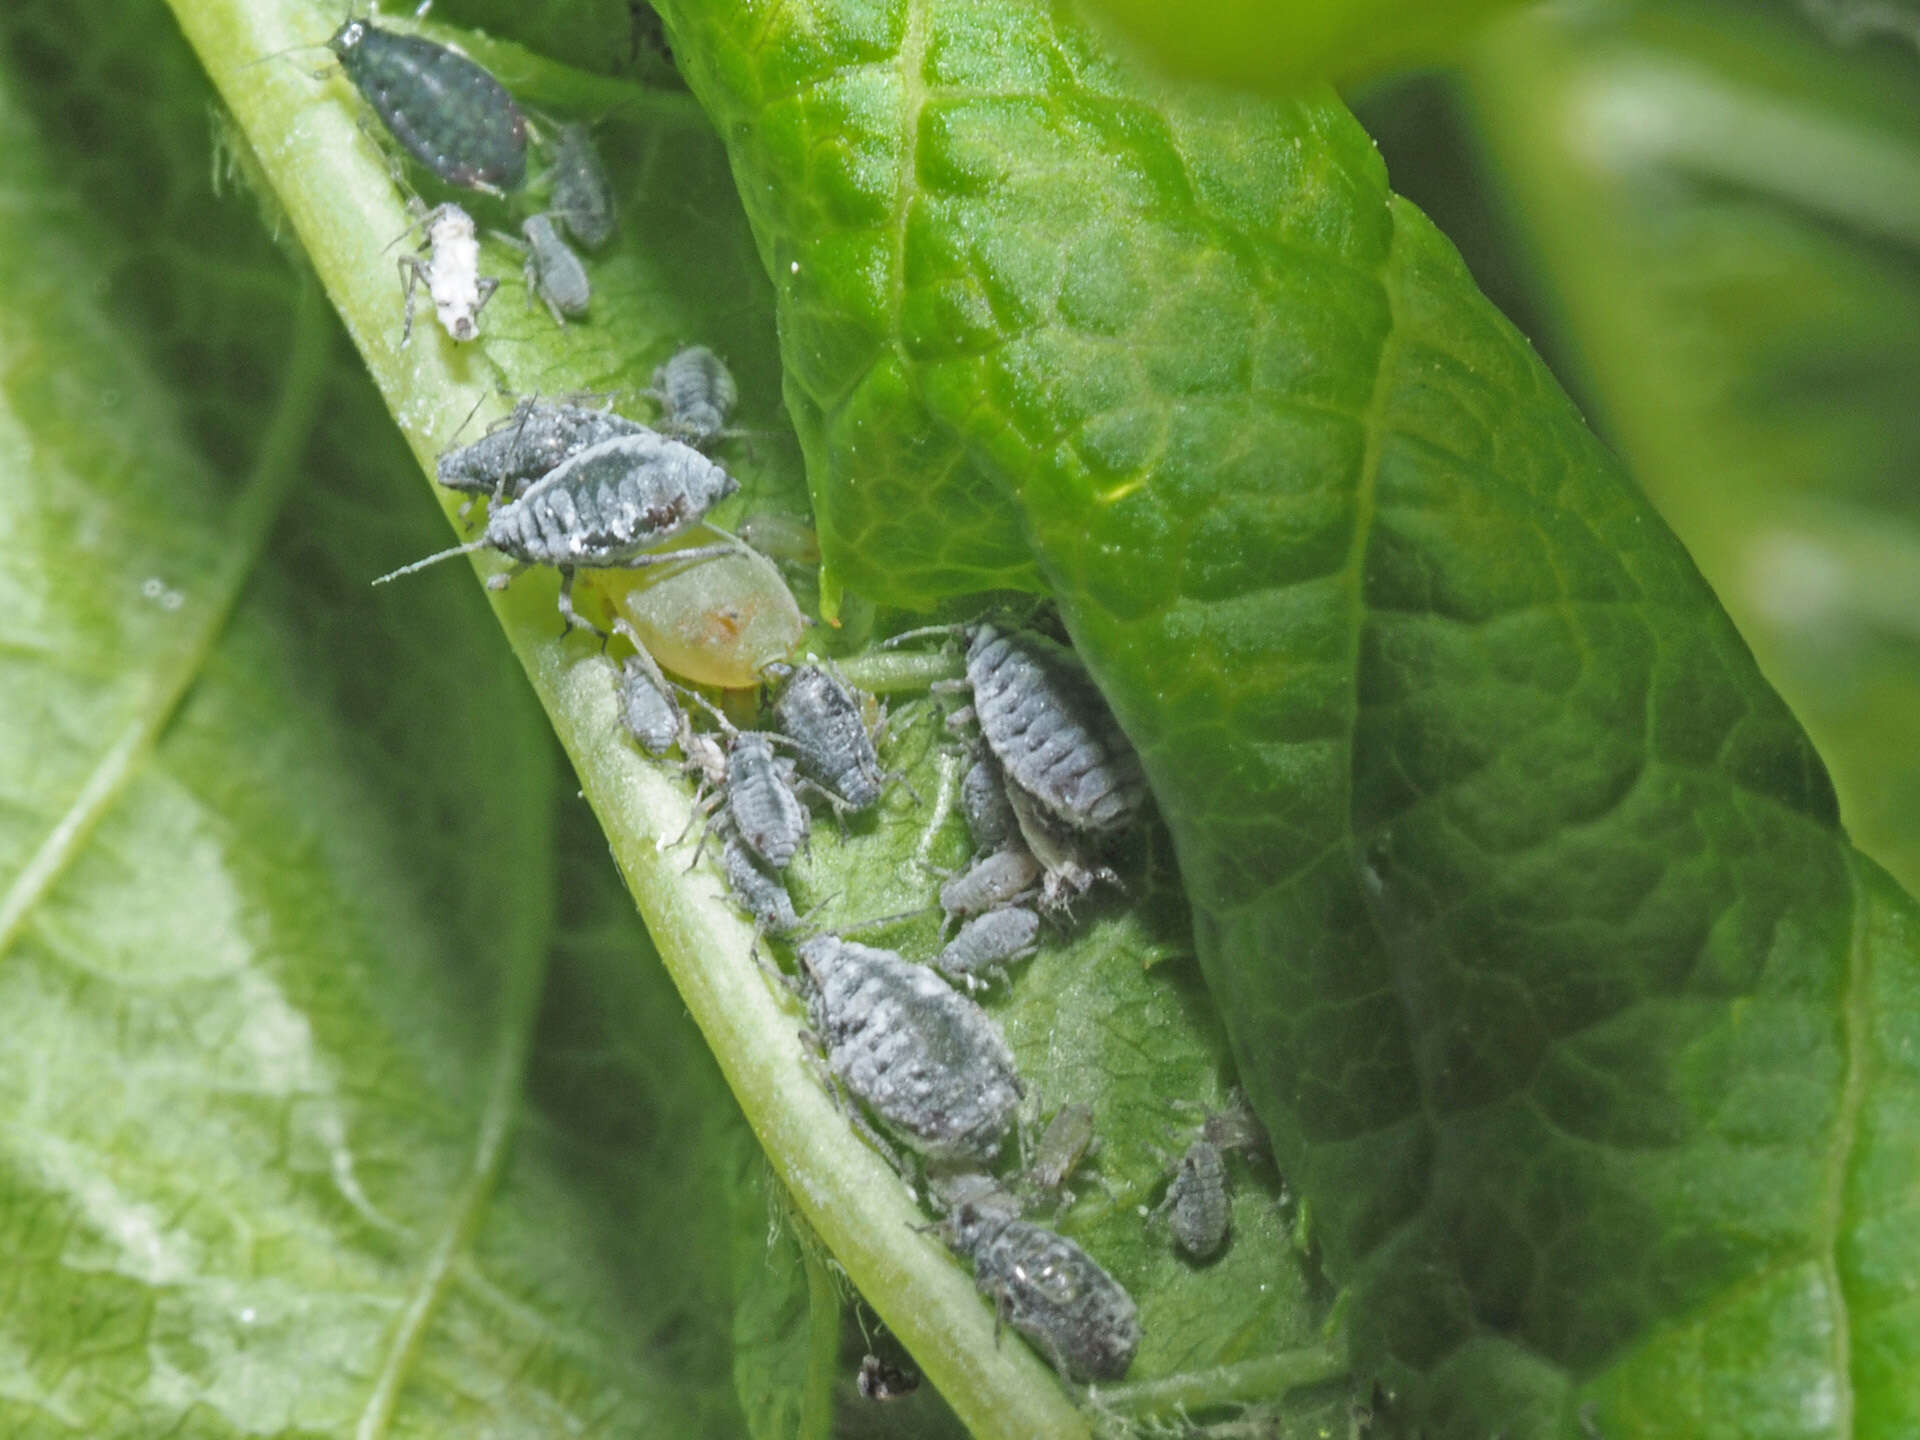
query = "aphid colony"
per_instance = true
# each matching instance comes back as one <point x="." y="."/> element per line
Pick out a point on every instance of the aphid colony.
<point x="460" y="123"/>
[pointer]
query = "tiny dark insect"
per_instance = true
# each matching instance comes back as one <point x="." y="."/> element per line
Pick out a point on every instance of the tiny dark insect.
<point x="449" y="113"/>
<point x="1199" y="1210"/>
<point x="820" y="714"/>
<point x="1050" y="1290"/>
<point x="923" y="1058"/>
<point x="537" y="437"/>
<point x="647" y="706"/>
<point x="604" y="509"/>
<point x="880" y="1381"/>
<point x="582" y="197"/>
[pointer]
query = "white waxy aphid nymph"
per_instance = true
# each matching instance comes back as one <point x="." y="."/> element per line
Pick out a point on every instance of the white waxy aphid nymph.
<point x="451" y="273"/>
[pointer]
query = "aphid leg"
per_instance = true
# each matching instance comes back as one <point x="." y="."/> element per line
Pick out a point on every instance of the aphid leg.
<point x="484" y="287"/>
<point x="570" y="618"/>
<point x="412" y="272"/>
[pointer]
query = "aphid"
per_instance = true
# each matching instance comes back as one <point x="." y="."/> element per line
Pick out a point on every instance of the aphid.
<point x="1051" y="731"/>
<point x="647" y="706"/>
<point x="820" y="714"/>
<point x="1199" y="1214"/>
<point x="1050" y="1290"/>
<point x="696" y="393"/>
<point x="1067" y="872"/>
<point x="603" y="509"/>
<point x="923" y="1058"/>
<point x="451" y="273"/>
<point x="450" y="114"/>
<point x="720" y="623"/>
<point x="553" y="271"/>
<point x="987" y="944"/>
<point x="761" y="805"/>
<point x="983" y="799"/>
<point x="880" y="1381"/>
<point x="537" y="437"/>
<point x="988" y="884"/>
<point x="582" y="198"/>
<point x="762" y="895"/>
<point x="1066" y="1141"/>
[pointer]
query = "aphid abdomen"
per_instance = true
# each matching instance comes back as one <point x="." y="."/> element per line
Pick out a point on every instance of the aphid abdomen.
<point x="536" y="438"/>
<point x="553" y="271"/>
<point x="1051" y="731"/>
<point x="760" y="894"/>
<point x="448" y="112"/>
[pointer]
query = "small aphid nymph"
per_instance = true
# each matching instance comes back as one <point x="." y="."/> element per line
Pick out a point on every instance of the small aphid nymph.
<point x="553" y="271"/>
<point x="449" y="113"/>
<point x="761" y="806"/>
<point x="927" y="1061"/>
<point x="987" y="944"/>
<point x="1066" y="1141"/>
<point x="819" y="712"/>
<point x="1199" y="1213"/>
<point x="1050" y="1290"/>
<point x="647" y="706"/>
<point x="537" y="437"/>
<point x="760" y="892"/>
<point x="983" y="800"/>
<point x="1002" y="878"/>
<point x="582" y="198"/>
<point x="451" y="273"/>
<point x="696" y="394"/>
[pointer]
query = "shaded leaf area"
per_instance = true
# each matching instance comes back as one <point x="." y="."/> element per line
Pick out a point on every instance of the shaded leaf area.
<point x="1520" y="892"/>
<point x="1716" y="197"/>
<point x="1295" y="44"/>
<point x="279" y="887"/>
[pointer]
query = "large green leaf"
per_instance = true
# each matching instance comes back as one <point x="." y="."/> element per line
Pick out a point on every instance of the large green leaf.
<point x="1521" y="893"/>
<point x="1728" y="213"/>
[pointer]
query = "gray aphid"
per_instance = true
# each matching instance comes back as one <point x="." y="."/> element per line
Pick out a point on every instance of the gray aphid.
<point x="553" y="271"/>
<point x="987" y="944"/>
<point x="1065" y="1142"/>
<point x="647" y="706"/>
<point x="1050" y="1290"/>
<point x="761" y="894"/>
<point x="582" y="198"/>
<point x="927" y="1061"/>
<point x="983" y="799"/>
<point x="1051" y="730"/>
<point x="988" y="884"/>
<point x="604" y="509"/>
<point x="820" y="714"/>
<point x="1197" y="1201"/>
<point x="1067" y="872"/>
<point x="764" y="811"/>
<point x="696" y="393"/>
<point x="538" y="436"/>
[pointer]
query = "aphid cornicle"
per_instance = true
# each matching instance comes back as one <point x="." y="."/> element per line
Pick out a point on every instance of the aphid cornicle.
<point x="1051" y="731"/>
<point x="1050" y="1290"/>
<point x="537" y="437"/>
<point x="696" y="393"/>
<point x="451" y="273"/>
<point x="449" y="113"/>
<point x="604" y="509"/>
<point x="820" y="714"/>
<point x="761" y="805"/>
<point x="553" y="272"/>
<point x="987" y="944"/>
<point x="927" y="1061"/>
<point x="582" y="198"/>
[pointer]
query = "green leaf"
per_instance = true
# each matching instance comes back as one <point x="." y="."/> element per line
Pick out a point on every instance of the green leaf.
<point x="1287" y="45"/>
<point x="273" y="933"/>
<point x="1735" y="255"/>
<point x="1521" y="894"/>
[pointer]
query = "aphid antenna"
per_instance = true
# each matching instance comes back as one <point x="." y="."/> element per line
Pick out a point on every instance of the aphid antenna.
<point x="281" y="53"/>
<point x="466" y="549"/>
<point x="946" y="631"/>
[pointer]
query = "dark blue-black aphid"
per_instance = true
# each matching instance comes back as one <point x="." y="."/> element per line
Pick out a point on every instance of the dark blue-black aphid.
<point x="450" y="114"/>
